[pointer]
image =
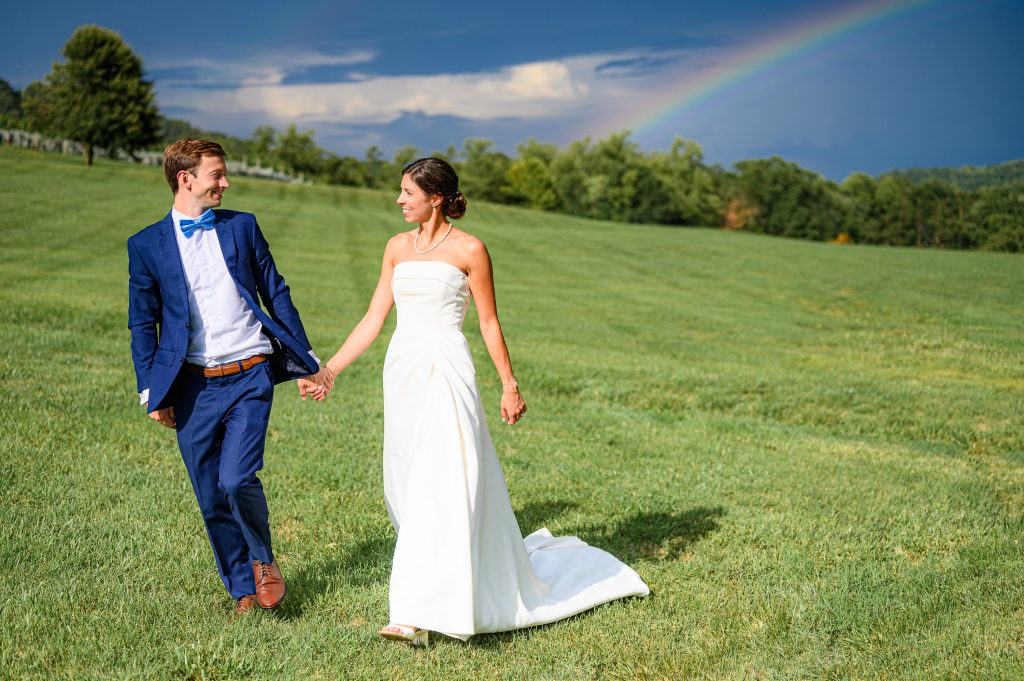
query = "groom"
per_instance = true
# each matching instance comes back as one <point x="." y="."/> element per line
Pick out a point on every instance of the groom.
<point x="207" y="357"/>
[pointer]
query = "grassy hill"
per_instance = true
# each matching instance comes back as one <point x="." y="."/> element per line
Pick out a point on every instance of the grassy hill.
<point x="813" y="454"/>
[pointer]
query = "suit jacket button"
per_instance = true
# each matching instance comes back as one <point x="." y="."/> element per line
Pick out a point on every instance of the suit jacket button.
<point x="187" y="325"/>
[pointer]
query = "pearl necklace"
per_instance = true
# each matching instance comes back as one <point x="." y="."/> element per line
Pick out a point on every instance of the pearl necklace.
<point x="415" y="241"/>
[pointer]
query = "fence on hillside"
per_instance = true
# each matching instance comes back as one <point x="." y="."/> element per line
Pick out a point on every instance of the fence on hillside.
<point x="34" y="140"/>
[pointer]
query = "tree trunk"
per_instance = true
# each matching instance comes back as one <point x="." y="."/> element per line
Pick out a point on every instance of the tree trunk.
<point x="87" y="153"/>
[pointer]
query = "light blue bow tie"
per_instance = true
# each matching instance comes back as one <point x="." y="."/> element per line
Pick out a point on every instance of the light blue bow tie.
<point x="205" y="221"/>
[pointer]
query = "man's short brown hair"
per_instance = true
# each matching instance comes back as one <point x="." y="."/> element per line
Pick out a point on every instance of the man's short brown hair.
<point x="187" y="154"/>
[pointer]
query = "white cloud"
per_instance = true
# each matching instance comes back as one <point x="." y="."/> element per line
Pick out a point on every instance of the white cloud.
<point x="263" y="70"/>
<point x="536" y="90"/>
<point x="527" y="90"/>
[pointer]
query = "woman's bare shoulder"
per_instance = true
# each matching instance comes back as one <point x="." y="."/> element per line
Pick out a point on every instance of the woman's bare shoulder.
<point x="399" y="240"/>
<point x="396" y="243"/>
<point x="468" y="244"/>
<point x="402" y="237"/>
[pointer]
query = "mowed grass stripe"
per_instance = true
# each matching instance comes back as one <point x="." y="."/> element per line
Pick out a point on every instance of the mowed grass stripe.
<point x="813" y="454"/>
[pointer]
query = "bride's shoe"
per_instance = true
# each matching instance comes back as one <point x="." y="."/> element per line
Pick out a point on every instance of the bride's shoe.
<point x="400" y="632"/>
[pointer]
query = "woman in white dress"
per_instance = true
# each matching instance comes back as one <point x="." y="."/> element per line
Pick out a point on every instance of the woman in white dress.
<point x="461" y="566"/>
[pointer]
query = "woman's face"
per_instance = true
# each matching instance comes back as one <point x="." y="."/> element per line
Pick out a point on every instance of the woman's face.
<point x="416" y="205"/>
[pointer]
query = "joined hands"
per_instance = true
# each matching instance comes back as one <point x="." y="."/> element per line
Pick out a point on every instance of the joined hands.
<point x="318" y="386"/>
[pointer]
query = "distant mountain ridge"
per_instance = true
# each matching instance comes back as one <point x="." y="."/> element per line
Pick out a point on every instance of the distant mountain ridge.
<point x="968" y="177"/>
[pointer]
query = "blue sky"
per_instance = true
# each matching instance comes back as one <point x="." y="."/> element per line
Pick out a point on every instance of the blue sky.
<point x="936" y="84"/>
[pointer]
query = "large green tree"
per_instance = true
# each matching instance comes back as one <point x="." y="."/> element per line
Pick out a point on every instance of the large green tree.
<point x="376" y="170"/>
<point x="688" y="192"/>
<point x="97" y="96"/>
<point x="483" y="172"/>
<point x="299" y="152"/>
<point x="10" y="105"/>
<point x="939" y="210"/>
<point x="861" y="220"/>
<point x="789" y="200"/>
<point x="997" y="218"/>
<point x="609" y="179"/>
<point x="898" y="217"/>
<point x="529" y="176"/>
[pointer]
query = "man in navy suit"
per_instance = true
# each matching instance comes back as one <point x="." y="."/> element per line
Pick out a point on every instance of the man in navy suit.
<point x="207" y="357"/>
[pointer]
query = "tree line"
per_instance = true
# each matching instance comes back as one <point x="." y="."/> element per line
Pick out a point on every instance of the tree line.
<point x="969" y="177"/>
<point x="99" y="97"/>
<point x="613" y="179"/>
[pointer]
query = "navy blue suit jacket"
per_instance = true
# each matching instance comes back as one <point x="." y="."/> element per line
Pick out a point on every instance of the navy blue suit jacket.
<point x="158" y="302"/>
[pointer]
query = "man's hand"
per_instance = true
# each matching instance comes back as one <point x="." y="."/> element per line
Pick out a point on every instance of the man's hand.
<point x="307" y="387"/>
<point x="318" y="386"/>
<point x="164" y="416"/>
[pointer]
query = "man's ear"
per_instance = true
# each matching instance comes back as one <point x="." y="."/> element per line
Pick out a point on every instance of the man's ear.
<point x="183" y="179"/>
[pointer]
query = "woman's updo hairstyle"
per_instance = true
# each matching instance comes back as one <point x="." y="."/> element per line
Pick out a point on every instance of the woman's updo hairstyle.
<point x="436" y="177"/>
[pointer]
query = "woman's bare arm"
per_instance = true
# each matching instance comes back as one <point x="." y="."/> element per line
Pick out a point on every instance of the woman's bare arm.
<point x="368" y="328"/>
<point x="481" y="283"/>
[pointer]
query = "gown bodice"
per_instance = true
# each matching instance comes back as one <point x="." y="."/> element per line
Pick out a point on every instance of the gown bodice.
<point x="430" y="295"/>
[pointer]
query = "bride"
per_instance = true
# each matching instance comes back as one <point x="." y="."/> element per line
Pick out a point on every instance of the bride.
<point x="461" y="566"/>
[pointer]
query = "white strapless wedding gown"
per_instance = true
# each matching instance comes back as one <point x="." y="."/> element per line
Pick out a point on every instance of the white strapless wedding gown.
<point x="461" y="565"/>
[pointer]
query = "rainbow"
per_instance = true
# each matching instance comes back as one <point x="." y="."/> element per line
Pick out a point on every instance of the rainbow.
<point x="668" y="103"/>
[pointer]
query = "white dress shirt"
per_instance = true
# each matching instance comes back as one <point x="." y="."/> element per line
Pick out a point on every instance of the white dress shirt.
<point x="222" y="326"/>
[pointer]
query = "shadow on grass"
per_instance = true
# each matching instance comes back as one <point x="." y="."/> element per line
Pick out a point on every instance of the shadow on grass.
<point x="658" y="535"/>
<point x="365" y="565"/>
<point x="640" y="537"/>
<point x="538" y="514"/>
<point x="499" y="640"/>
<point x="368" y="563"/>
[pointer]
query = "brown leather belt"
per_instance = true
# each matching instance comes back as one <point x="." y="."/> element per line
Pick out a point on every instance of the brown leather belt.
<point x="229" y="369"/>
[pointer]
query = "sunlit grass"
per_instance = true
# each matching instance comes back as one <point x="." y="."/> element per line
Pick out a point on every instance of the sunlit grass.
<point x="812" y="453"/>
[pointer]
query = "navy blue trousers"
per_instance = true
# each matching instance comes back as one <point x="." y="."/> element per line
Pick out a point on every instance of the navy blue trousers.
<point x="222" y="427"/>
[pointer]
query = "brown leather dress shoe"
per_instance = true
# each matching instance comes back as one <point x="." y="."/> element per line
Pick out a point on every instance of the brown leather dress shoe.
<point x="270" y="588"/>
<point x="245" y="604"/>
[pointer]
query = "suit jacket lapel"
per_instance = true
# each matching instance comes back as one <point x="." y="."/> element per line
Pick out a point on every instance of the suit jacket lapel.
<point x="170" y="256"/>
<point x="226" y="238"/>
<point x="228" y="247"/>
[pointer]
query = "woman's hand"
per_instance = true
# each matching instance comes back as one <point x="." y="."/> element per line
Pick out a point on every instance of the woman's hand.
<point x="512" y="405"/>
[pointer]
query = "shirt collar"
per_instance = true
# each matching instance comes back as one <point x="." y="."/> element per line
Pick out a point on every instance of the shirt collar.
<point x="177" y="216"/>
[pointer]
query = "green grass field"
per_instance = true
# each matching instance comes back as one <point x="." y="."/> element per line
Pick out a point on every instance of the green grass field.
<point x="813" y="454"/>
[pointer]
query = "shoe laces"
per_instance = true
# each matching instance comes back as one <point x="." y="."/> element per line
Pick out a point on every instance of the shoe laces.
<point x="263" y="568"/>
